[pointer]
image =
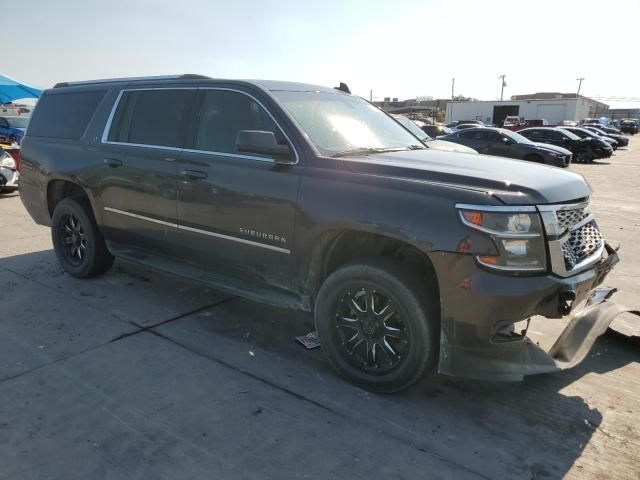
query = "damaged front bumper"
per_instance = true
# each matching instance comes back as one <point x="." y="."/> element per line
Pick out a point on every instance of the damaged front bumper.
<point x="478" y="309"/>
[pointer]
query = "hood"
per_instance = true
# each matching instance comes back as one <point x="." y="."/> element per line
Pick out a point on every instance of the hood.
<point x="513" y="182"/>
<point x="445" y="146"/>
<point x="553" y="148"/>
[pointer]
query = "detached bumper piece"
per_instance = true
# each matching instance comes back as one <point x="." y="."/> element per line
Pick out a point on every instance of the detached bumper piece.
<point x="512" y="361"/>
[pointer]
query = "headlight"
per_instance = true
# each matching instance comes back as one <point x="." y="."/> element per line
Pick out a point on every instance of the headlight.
<point x="517" y="234"/>
<point x="555" y="154"/>
<point x="8" y="162"/>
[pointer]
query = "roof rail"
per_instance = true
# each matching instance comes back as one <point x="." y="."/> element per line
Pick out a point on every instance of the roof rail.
<point x="186" y="76"/>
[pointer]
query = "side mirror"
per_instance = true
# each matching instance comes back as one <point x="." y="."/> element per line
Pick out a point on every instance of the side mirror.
<point x="264" y="142"/>
<point x="506" y="141"/>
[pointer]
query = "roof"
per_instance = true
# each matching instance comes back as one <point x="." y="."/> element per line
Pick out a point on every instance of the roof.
<point x="276" y="85"/>
<point x="270" y="85"/>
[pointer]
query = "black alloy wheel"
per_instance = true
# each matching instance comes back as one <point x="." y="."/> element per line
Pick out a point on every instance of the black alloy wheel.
<point x="74" y="239"/>
<point x="77" y="240"/>
<point x="378" y="323"/>
<point x="371" y="330"/>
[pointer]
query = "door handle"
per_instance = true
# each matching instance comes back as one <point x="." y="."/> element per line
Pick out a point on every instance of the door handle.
<point x="194" y="174"/>
<point x="113" y="162"/>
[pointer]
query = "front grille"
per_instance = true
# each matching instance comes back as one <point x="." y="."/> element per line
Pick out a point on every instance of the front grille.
<point x="573" y="237"/>
<point x="569" y="218"/>
<point x="582" y="243"/>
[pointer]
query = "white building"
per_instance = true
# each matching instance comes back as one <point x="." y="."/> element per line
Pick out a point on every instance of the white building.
<point x="553" y="107"/>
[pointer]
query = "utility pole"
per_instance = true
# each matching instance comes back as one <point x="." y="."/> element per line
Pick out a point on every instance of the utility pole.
<point x="579" y="85"/>
<point x="371" y="95"/>
<point x="453" y="83"/>
<point x="502" y="85"/>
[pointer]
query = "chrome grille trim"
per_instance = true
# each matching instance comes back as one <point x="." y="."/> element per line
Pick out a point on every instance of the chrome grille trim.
<point x="573" y="237"/>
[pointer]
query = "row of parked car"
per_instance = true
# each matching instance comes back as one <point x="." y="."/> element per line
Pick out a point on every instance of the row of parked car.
<point x="557" y="146"/>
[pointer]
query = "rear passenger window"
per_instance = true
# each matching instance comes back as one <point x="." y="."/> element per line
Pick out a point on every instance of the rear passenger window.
<point x="150" y="117"/>
<point x="64" y="115"/>
<point x="223" y="114"/>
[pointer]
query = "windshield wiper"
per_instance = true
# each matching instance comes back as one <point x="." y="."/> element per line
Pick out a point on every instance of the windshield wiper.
<point x="365" y="151"/>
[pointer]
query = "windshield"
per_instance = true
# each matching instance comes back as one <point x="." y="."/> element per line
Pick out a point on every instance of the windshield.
<point x="412" y="127"/>
<point x="337" y="123"/>
<point x="18" y="122"/>
<point x="516" y="137"/>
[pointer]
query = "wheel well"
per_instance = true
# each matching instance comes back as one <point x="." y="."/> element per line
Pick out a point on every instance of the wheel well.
<point x="60" y="189"/>
<point x="349" y="246"/>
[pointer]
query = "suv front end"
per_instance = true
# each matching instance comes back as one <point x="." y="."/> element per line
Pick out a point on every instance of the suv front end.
<point x="548" y="259"/>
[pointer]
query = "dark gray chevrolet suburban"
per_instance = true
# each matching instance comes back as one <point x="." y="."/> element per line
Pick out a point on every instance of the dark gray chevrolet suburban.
<point x="411" y="259"/>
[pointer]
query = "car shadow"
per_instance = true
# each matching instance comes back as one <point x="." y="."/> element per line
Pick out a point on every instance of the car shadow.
<point x="596" y="162"/>
<point x="538" y="428"/>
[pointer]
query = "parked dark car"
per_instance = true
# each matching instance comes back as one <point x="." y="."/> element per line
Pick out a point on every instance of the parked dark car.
<point x="411" y="259"/>
<point x="435" y="131"/>
<point x="12" y="129"/>
<point x="630" y="126"/>
<point x="601" y="148"/>
<point x="505" y="143"/>
<point x="620" y="139"/>
<point x="608" y="130"/>
<point x="415" y="127"/>
<point x="464" y="126"/>
<point x="455" y="123"/>
<point x="580" y="148"/>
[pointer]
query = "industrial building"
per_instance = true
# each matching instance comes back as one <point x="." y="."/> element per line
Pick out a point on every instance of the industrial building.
<point x="552" y="107"/>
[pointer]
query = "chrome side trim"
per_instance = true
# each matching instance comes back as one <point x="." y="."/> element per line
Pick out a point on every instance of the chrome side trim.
<point x="107" y="128"/>
<point x="496" y="208"/>
<point x="232" y="155"/>
<point x="234" y="239"/>
<point x="197" y="230"/>
<point x="141" y="217"/>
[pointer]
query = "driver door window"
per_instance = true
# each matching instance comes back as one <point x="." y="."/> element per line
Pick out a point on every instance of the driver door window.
<point x="223" y="115"/>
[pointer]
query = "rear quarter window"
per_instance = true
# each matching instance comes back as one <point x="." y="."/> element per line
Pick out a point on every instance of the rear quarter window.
<point x="64" y="115"/>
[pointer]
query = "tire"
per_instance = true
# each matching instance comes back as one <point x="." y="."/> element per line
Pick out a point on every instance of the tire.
<point x="385" y="352"/>
<point x="532" y="157"/>
<point x="581" y="157"/>
<point x="77" y="240"/>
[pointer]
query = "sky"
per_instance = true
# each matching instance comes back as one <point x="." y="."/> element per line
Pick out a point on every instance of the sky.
<point x="400" y="48"/>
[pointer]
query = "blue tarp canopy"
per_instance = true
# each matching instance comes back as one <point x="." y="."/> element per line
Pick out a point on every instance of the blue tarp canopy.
<point x="11" y="90"/>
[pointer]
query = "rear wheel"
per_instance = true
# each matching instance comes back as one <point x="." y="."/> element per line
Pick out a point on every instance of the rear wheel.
<point x="77" y="241"/>
<point x="375" y="328"/>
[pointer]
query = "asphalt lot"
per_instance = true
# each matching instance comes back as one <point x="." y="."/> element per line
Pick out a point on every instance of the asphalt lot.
<point x="140" y="375"/>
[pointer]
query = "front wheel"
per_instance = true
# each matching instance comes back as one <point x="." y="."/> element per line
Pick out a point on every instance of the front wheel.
<point x="376" y="327"/>
<point x="77" y="241"/>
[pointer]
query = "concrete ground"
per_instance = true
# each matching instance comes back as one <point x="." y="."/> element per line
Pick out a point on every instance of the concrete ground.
<point x="139" y="375"/>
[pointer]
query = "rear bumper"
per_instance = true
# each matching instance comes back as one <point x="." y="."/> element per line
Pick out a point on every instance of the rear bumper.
<point x="479" y="309"/>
